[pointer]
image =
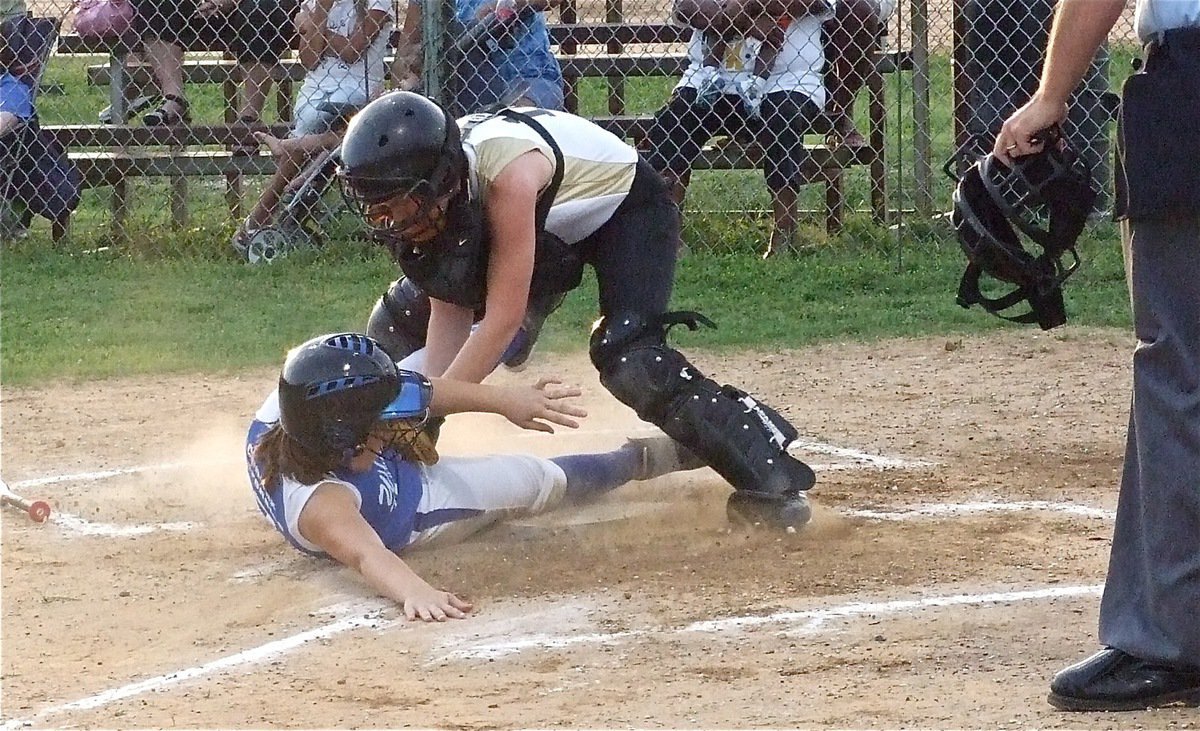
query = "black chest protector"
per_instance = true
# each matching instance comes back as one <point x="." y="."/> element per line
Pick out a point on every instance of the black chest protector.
<point x="453" y="268"/>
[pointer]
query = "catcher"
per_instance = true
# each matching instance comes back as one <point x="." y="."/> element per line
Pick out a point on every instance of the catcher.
<point x="342" y="465"/>
<point x="493" y="212"/>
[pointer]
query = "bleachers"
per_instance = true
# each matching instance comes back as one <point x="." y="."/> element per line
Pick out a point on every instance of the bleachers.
<point x="110" y="155"/>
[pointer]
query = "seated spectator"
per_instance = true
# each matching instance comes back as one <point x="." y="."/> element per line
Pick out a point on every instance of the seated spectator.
<point x="342" y="46"/>
<point x="256" y="32"/>
<point x="732" y="99"/>
<point x="16" y="93"/>
<point x="510" y="65"/>
<point x="851" y="37"/>
<point x="36" y="177"/>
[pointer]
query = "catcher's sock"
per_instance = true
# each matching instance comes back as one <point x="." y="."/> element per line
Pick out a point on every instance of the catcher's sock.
<point x="594" y="474"/>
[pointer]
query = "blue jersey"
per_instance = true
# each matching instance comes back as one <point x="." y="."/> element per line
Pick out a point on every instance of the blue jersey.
<point x="388" y="494"/>
<point x="530" y="59"/>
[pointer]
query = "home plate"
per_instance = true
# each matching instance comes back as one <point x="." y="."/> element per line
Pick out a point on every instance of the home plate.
<point x="579" y="516"/>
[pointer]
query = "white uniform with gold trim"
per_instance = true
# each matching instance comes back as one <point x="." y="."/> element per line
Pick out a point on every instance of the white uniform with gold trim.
<point x="598" y="166"/>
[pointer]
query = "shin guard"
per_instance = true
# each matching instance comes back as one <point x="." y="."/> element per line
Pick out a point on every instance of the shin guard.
<point x="744" y="440"/>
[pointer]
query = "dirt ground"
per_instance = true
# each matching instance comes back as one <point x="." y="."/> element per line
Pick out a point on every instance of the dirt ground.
<point x="961" y="528"/>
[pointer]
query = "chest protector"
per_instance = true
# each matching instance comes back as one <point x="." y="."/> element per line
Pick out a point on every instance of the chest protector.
<point x="454" y="267"/>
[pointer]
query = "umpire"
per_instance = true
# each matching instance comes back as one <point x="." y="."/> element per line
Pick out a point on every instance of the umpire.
<point x="1149" y="618"/>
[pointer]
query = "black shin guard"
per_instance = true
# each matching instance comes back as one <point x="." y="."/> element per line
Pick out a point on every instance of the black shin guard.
<point x="743" y="440"/>
<point x="400" y="319"/>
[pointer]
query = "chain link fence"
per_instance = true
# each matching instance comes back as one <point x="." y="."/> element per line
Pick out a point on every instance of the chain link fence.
<point x="207" y="126"/>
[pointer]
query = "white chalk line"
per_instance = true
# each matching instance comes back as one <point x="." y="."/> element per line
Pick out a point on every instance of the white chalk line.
<point x="81" y="526"/>
<point x="76" y="524"/>
<point x="805" y="622"/>
<point x="370" y="618"/>
<point x="109" y="474"/>
<point x="932" y="511"/>
<point x="809" y="621"/>
<point x="860" y="457"/>
<point x="937" y="510"/>
<point x="876" y="460"/>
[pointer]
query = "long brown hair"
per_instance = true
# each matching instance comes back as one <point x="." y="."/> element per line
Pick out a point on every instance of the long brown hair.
<point x="282" y="456"/>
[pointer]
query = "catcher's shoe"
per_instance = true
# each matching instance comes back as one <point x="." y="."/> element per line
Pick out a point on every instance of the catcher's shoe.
<point x="516" y="357"/>
<point x="662" y="455"/>
<point x="748" y="509"/>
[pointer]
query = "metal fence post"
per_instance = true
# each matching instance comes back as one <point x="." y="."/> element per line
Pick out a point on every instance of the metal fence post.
<point x="922" y="136"/>
<point x="435" y="15"/>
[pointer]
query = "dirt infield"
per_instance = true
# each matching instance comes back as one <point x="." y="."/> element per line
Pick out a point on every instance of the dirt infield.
<point x="960" y="537"/>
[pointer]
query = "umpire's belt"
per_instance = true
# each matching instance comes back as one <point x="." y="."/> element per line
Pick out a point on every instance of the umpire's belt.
<point x="1186" y="40"/>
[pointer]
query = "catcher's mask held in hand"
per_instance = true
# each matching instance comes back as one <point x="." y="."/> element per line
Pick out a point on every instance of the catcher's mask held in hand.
<point x="1045" y="197"/>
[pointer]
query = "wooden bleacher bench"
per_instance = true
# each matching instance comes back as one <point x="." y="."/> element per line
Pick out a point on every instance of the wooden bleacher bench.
<point x="109" y="155"/>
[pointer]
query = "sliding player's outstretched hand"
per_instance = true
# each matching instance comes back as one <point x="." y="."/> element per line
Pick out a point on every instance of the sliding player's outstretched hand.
<point x="539" y="406"/>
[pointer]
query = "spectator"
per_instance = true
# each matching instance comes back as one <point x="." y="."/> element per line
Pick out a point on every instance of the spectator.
<point x="351" y="473"/>
<point x="256" y="32"/>
<point x="16" y="96"/>
<point x="776" y="110"/>
<point x="36" y="177"/>
<point x="512" y="65"/>
<point x="851" y="37"/>
<point x="342" y="46"/>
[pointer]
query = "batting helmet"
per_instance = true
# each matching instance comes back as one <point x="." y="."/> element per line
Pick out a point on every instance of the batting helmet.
<point x="334" y="388"/>
<point x="1045" y="198"/>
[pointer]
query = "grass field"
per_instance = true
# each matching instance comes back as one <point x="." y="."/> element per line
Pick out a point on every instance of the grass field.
<point x="84" y="315"/>
<point x="178" y="300"/>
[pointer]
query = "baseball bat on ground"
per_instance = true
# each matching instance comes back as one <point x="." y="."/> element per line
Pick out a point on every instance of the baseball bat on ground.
<point x="37" y="510"/>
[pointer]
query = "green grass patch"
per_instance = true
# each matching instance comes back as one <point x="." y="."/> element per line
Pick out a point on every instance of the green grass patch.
<point x="72" y="315"/>
<point x="178" y="301"/>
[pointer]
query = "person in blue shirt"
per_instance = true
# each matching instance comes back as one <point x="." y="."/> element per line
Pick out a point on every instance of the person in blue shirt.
<point x="343" y="464"/>
<point x="510" y="65"/>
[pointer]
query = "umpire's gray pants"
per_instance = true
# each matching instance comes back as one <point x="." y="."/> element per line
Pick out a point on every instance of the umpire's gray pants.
<point x="1151" y="603"/>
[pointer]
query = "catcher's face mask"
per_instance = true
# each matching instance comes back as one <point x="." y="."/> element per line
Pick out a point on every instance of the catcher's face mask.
<point x="413" y="218"/>
<point x="1045" y="198"/>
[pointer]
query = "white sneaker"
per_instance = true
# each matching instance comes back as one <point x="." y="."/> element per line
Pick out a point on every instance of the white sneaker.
<point x="135" y="107"/>
<point x="752" y="91"/>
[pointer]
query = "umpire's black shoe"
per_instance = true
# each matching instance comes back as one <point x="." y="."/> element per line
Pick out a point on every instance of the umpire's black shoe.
<point x="748" y="509"/>
<point x="1113" y="680"/>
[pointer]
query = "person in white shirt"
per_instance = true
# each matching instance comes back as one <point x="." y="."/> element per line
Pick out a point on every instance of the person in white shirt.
<point x="342" y="46"/>
<point x="343" y="464"/>
<point x="776" y="108"/>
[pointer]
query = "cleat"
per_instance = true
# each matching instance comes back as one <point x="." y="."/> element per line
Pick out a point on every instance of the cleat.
<point x="788" y="513"/>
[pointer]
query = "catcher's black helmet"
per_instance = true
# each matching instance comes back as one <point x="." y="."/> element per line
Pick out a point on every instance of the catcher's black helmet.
<point x="334" y="388"/>
<point x="1045" y="197"/>
<point x="400" y="144"/>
